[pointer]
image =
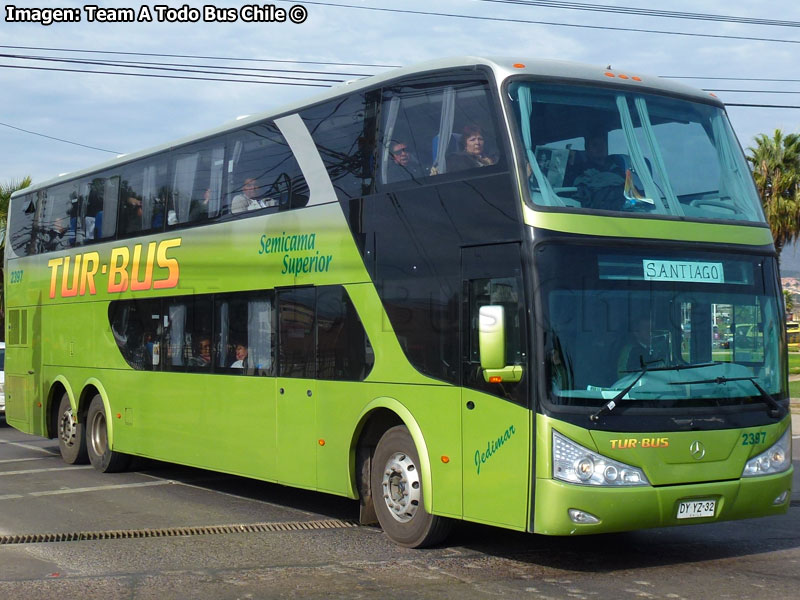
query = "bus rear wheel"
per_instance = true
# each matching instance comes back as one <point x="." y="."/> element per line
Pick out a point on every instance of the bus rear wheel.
<point x="396" y="485"/>
<point x="71" y="439"/>
<point x="101" y="456"/>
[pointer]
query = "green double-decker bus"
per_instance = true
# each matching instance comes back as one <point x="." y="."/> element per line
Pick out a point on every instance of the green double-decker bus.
<point x="536" y="295"/>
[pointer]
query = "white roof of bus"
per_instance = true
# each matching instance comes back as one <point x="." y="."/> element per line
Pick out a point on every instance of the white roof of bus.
<point x="502" y="68"/>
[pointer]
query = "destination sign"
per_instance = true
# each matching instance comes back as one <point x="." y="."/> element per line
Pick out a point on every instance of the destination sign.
<point x="679" y="270"/>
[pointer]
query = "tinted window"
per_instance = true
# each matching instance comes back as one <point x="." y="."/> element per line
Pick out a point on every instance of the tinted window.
<point x="22" y="210"/>
<point x="144" y="190"/>
<point x="188" y="334"/>
<point x="411" y="240"/>
<point x="244" y="334"/>
<point x="101" y="208"/>
<point x="56" y="221"/>
<point x="262" y="172"/>
<point x="197" y="172"/>
<point x="605" y="149"/>
<point x="296" y="327"/>
<point x="136" y="327"/>
<point x="343" y="350"/>
<point x="343" y="130"/>
<point x="435" y="130"/>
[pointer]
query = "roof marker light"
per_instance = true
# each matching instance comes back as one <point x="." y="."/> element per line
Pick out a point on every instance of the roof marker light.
<point x="518" y="66"/>
<point x="622" y="76"/>
<point x="635" y="78"/>
<point x="607" y="74"/>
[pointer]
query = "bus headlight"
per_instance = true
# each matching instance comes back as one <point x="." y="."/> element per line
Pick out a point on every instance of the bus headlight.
<point x="775" y="460"/>
<point x="575" y="464"/>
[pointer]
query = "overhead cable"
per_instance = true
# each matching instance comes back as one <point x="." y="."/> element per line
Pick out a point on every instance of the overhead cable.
<point x="647" y="12"/>
<point x="552" y="23"/>
<point x="57" y="139"/>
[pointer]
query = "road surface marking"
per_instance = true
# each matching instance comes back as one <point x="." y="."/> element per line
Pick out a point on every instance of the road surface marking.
<point x="101" y="488"/>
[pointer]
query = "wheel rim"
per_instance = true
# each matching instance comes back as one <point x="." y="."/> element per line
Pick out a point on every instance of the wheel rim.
<point x="68" y="428"/>
<point x="401" y="487"/>
<point x="98" y="435"/>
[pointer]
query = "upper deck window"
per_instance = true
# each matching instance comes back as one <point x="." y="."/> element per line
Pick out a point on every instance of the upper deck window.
<point x="601" y="149"/>
<point x="436" y="129"/>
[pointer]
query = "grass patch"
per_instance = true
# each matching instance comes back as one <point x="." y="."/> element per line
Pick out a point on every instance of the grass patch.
<point x="794" y="363"/>
<point x="794" y="389"/>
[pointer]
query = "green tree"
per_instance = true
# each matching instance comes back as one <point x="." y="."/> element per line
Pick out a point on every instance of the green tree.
<point x="6" y="189"/>
<point x="776" y="170"/>
<point x="788" y="301"/>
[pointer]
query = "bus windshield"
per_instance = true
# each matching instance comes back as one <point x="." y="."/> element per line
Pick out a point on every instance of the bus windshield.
<point x="696" y="329"/>
<point x="595" y="148"/>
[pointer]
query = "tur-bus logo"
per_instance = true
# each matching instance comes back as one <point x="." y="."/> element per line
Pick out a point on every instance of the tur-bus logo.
<point x="124" y="269"/>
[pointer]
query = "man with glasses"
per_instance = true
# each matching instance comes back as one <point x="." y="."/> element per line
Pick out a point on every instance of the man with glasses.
<point x="403" y="166"/>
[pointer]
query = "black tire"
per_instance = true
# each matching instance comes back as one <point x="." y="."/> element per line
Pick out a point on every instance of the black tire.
<point x="71" y="438"/>
<point x="101" y="456"/>
<point x="397" y="493"/>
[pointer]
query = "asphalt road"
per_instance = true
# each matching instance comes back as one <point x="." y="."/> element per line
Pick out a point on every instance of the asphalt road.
<point x="150" y="533"/>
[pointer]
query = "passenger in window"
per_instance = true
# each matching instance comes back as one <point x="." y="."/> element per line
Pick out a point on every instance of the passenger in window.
<point x="642" y="350"/>
<point x="240" y="351"/>
<point x="248" y="199"/>
<point x="472" y="152"/>
<point x="600" y="178"/>
<point x="199" y="209"/>
<point x="202" y="353"/>
<point x="132" y="214"/>
<point x="404" y="165"/>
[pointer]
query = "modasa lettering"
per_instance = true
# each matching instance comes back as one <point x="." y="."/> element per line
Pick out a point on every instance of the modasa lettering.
<point x="292" y="245"/>
<point x="492" y="446"/>
<point x="143" y="267"/>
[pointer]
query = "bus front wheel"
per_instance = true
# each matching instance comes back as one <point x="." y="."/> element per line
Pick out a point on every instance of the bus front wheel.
<point x="71" y="439"/>
<point x="101" y="456"/>
<point x="396" y="485"/>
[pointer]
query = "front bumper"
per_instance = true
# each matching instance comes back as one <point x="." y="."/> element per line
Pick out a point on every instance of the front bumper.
<point x="626" y="509"/>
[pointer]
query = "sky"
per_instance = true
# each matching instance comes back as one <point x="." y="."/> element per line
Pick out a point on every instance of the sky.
<point x="121" y="114"/>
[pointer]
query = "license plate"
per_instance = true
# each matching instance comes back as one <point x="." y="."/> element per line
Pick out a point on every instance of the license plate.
<point x="695" y="509"/>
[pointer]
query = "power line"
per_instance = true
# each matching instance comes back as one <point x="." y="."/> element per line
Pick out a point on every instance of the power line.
<point x="647" y="12"/>
<point x="161" y="76"/>
<point x="133" y="63"/>
<point x="170" y="69"/>
<point x="232" y="58"/>
<point x="553" y="23"/>
<point x="756" y="91"/>
<point x="773" y="79"/>
<point x="341" y="64"/>
<point x="57" y="139"/>
<point x="761" y="105"/>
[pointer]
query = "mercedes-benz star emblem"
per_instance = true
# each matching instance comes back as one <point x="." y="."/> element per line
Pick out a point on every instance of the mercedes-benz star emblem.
<point x="697" y="450"/>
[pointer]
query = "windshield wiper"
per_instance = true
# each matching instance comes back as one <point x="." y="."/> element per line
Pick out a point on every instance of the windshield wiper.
<point x="612" y="404"/>
<point x="774" y="410"/>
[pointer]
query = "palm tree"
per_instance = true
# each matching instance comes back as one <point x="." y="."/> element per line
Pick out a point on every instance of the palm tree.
<point x="776" y="170"/>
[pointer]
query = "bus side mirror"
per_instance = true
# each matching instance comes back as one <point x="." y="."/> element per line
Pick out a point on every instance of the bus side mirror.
<point x="492" y="343"/>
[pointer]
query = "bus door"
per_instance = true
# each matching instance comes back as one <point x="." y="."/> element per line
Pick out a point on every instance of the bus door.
<point x="22" y="372"/>
<point x="495" y="420"/>
<point x="296" y="388"/>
